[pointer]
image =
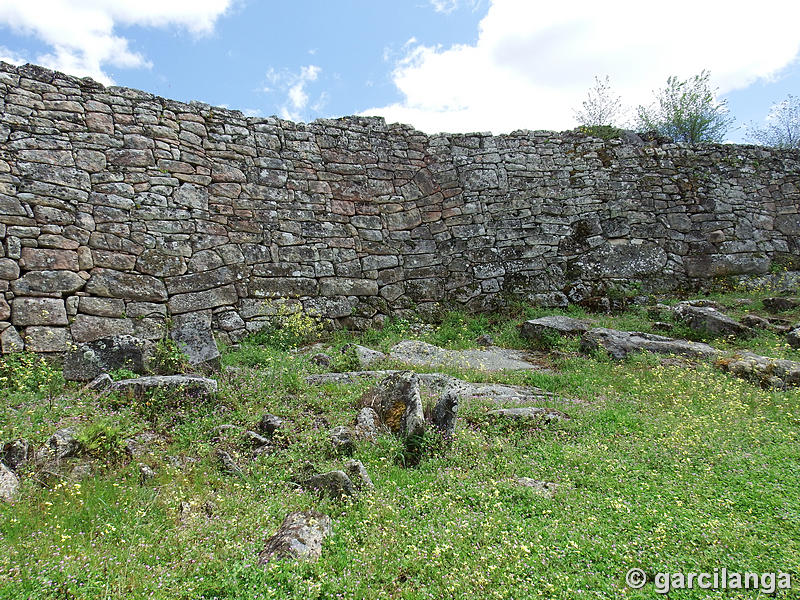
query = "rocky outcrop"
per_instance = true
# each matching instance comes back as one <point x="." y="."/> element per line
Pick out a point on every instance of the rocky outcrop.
<point x="121" y="212"/>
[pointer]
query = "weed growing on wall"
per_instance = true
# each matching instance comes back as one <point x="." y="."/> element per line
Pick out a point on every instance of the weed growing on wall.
<point x="168" y="358"/>
<point x="289" y="328"/>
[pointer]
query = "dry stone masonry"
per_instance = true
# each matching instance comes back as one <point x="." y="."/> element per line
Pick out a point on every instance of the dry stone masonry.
<point x="121" y="212"/>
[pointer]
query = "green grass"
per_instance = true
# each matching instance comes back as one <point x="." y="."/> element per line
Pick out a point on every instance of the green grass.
<point x="666" y="468"/>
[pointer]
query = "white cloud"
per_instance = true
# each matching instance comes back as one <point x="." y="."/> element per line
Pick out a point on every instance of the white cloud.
<point x="11" y="57"/>
<point x="534" y="62"/>
<point x="294" y="86"/>
<point x="448" y="6"/>
<point x="81" y="32"/>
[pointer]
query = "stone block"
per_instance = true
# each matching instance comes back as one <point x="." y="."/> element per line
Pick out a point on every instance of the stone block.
<point x="38" y="311"/>
<point x="87" y="328"/>
<point x="46" y="339"/>
<point x="130" y="286"/>
<point x="195" y="301"/>
<point x="47" y="259"/>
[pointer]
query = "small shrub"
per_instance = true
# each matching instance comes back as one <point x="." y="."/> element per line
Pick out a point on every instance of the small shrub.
<point x="28" y="372"/>
<point x="118" y="374"/>
<point x="604" y="132"/>
<point x="104" y="441"/>
<point x="168" y="358"/>
<point x="288" y="329"/>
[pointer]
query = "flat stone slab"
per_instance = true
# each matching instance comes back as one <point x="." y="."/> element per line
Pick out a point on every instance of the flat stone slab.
<point x="621" y="343"/>
<point x="537" y="329"/>
<point x="421" y="354"/>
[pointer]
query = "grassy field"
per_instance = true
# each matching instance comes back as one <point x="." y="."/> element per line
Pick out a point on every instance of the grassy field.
<point x="666" y="465"/>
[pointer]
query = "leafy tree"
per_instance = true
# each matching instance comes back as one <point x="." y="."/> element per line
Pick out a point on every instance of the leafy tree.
<point x="783" y="125"/>
<point x="686" y="111"/>
<point x="601" y="108"/>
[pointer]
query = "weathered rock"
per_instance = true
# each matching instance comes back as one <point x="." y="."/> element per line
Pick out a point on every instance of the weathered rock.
<point x="191" y="386"/>
<point x="333" y="484"/>
<point x="621" y="343"/>
<point x="146" y="473"/>
<point x="769" y="372"/>
<point x="546" y="489"/>
<point x="192" y="332"/>
<point x="539" y="330"/>
<point x="368" y="424"/>
<point x="62" y="444"/>
<point x="396" y="399"/>
<point x="227" y="463"/>
<point x="358" y="475"/>
<point x="100" y="383"/>
<point x="270" y="424"/>
<point x="709" y="320"/>
<point x="445" y="412"/>
<point x="756" y="322"/>
<point x="793" y="337"/>
<point x="11" y="340"/>
<point x="366" y="357"/>
<point x="38" y="311"/>
<point x="532" y="413"/>
<point x="130" y="286"/>
<point x="321" y="360"/>
<point x="82" y="470"/>
<point x="256" y="439"/>
<point x="88" y="328"/>
<point x="484" y="340"/>
<point x="14" y="454"/>
<point x="780" y="304"/>
<point x="90" y="360"/>
<point x="490" y="359"/>
<point x="342" y="440"/>
<point x="9" y="484"/>
<point x="300" y="536"/>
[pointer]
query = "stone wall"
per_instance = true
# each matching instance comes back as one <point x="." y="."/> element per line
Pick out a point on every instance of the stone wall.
<point x="119" y="210"/>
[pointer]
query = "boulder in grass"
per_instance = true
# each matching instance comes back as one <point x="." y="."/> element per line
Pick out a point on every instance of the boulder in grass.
<point x="780" y="304"/>
<point x="445" y="413"/>
<point x="710" y="320"/>
<point x="539" y="330"/>
<point x="358" y="475"/>
<point x="9" y="484"/>
<point x="397" y="401"/>
<point x="333" y="484"/>
<point x="793" y="337"/>
<point x="299" y="537"/>
<point x="621" y="343"/>
<point x="14" y="454"/>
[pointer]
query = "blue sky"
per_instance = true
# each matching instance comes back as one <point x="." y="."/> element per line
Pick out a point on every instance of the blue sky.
<point x="440" y="65"/>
